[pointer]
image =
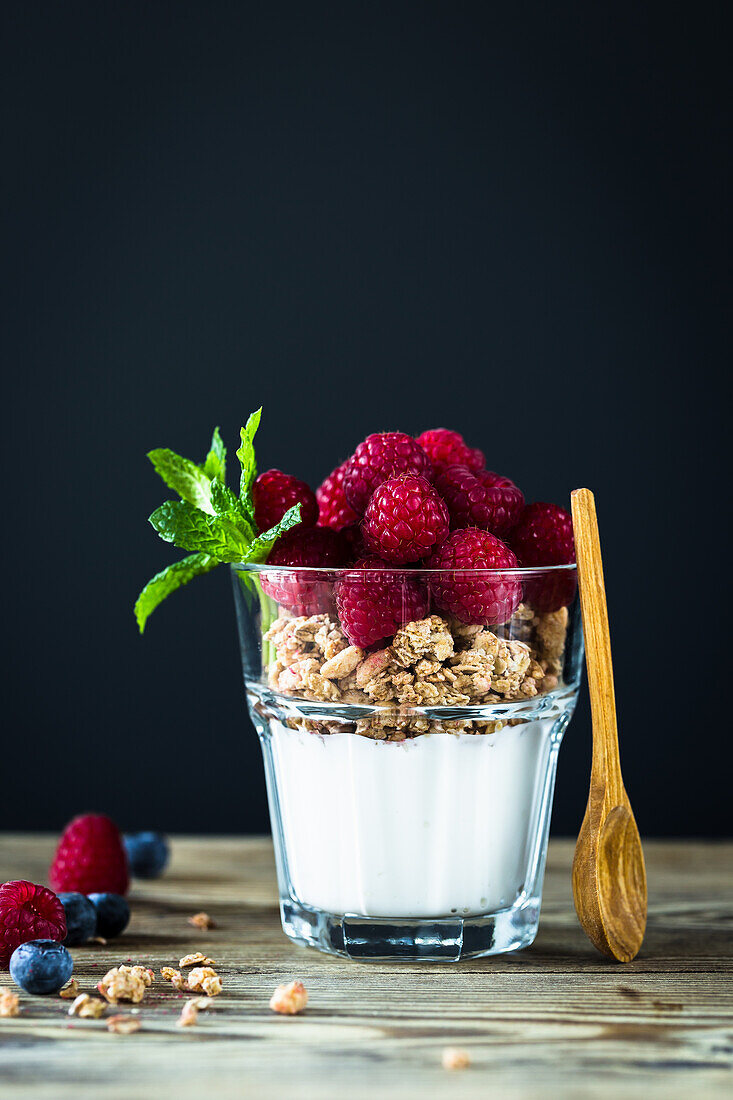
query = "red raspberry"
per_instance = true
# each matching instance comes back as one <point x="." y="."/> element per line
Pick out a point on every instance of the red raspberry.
<point x="446" y="448"/>
<point x="333" y="508"/>
<point x="355" y="538"/>
<point x="306" y="593"/>
<point x="28" y="912"/>
<point x="544" y="536"/>
<point x="90" y="858"/>
<point x="373" y="605"/>
<point x="481" y="598"/>
<point x="380" y="456"/>
<point x="405" y="519"/>
<point x="483" y="500"/>
<point x="274" y="492"/>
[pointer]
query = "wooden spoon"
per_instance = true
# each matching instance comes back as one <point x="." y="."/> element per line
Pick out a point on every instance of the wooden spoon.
<point x="609" y="878"/>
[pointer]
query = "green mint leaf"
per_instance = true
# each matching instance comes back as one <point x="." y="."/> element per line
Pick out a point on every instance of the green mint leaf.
<point x="222" y="498"/>
<point x="189" y="528"/>
<point x="215" y="463"/>
<point x="226" y="504"/>
<point x="246" y="456"/>
<point x="167" y="581"/>
<point x="260" y="548"/>
<point x="184" y="477"/>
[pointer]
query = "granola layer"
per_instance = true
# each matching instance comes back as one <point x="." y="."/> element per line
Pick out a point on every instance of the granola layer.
<point x="431" y="662"/>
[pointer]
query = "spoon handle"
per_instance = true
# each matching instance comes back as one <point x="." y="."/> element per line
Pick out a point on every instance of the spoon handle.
<point x="606" y="763"/>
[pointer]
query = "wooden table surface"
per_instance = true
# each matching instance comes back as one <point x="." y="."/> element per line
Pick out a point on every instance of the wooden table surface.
<point x="554" y="1020"/>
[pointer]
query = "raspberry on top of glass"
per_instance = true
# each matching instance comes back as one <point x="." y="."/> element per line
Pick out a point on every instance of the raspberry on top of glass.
<point x="411" y="543"/>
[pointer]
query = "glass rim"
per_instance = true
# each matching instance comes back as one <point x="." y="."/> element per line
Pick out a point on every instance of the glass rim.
<point x="343" y="570"/>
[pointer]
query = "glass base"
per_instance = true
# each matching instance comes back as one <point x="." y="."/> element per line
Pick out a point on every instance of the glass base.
<point x="446" y="939"/>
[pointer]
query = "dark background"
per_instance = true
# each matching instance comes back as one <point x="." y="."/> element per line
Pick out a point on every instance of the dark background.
<point x="507" y="219"/>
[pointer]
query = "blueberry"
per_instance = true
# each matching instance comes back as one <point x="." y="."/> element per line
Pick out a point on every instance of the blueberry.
<point x="147" y="854"/>
<point x="113" y="914"/>
<point x="41" y="966"/>
<point x="81" y="918"/>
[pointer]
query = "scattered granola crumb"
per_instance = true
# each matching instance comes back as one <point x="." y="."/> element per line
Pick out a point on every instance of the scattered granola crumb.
<point x="202" y="921"/>
<point x="197" y="959"/>
<point x="123" y="1025"/>
<point x="70" y="991"/>
<point x="455" y="1058"/>
<point x="125" y="983"/>
<point x="98" y="939"/>
<point x="9" y="1002"/>
<point x="204" y="980"/>
<point x="87" y="1006"/>
<point x="175" y="977"/>
<point x="289" y="1000"/>
<point x="189" y="1014"/>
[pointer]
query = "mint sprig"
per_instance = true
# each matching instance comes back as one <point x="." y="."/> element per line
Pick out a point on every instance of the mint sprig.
<point x="210" y="520"/>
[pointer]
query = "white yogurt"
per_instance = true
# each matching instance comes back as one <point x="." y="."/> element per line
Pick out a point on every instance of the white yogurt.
<point x="439" y="825"/>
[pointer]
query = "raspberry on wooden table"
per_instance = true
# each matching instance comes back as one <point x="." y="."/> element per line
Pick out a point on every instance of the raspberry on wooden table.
<point x="381" y="456"/>
<point x="375" y="600"/>
<point x="474" y="596"/>
<point x="306" y="593"/>
<point x="483" y="499"/>
<point x="544" y="536"/>
<point x="275" y="492"/>
<point x="446" y="448"/>
<point x="28" y="912"/>
<point x="405" y="519"/>
<point x="90" y="858"/>
<point x="333" y="508"/>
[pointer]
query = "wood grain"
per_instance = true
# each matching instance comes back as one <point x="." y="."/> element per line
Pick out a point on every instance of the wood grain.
<point x="556" y="1020"/>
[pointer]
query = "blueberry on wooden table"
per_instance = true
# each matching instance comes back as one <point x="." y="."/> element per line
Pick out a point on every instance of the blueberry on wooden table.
<point x="147" y="854"/>
<point x="113" y="914"/>
<point x="41" y="966"/>
<point x="81" y="918"/>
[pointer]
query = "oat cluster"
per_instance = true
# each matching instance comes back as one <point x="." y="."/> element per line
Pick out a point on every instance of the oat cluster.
<point x="88" y="1007"/>
<point x="290" y="999"/>
<point x="9" y="1002"/>
<point x="202" y="921"/>
<point x="123" y="1025"/>
<point x="455" y="1058"/>
<point x="431" y="662"/>
<point x="125" y="983"/>
<point x="202" y="979"/>
<point x="190" y="1011"/>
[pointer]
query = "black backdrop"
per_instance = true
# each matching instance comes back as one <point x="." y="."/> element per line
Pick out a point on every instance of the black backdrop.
<point x="508" y="219"/>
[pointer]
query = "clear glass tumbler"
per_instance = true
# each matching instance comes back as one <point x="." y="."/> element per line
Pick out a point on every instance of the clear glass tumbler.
<point x="410" y="782"/>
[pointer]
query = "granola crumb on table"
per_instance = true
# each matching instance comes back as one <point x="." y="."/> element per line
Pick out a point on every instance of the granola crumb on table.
<point x="70" y="991"/>
<point x="455" y="1058"/>
<point x="189" y="1015"/>
<point x="202" y="921"/>
<point x="431" y="662"/>
<point x="196" y="959"/>
<point x="86" y="1006"/>
<point x="290" y="999"/>
<point x="125" y="983"/>
<point x="123" y="1025"/>
<point x="175" y="977"/>
<point x="204" y="980"/>
<point x="9" y="1002"/>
